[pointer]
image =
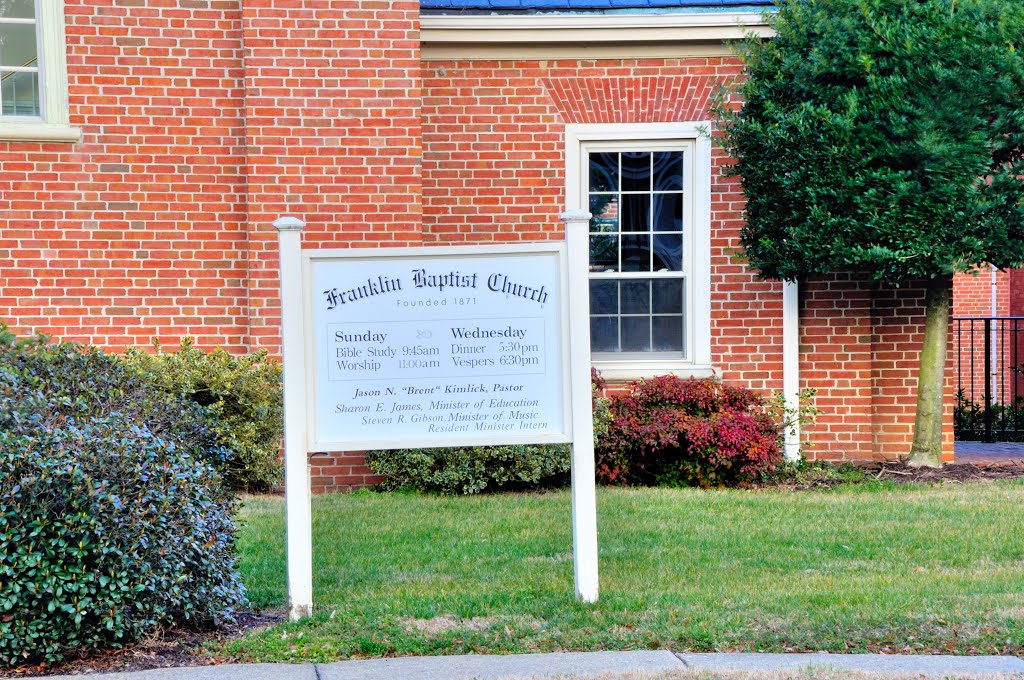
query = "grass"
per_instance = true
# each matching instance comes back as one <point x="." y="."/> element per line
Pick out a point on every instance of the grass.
<point x="857" y="568"/>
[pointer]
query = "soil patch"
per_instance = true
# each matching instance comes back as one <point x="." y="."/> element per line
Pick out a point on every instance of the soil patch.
<point x="166" y="648"/>
<point x="828" y="475"/>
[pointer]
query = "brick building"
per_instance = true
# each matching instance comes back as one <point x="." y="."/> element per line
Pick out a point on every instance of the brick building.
<point x="147" y="145"/>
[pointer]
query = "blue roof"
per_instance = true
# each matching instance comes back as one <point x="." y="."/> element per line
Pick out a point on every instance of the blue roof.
<point x="582" y="5"/>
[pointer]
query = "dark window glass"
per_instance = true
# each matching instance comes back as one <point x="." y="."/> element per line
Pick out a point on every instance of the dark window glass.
<point x="636" y="253"/>
<point x="668" y="252"/>
<point x="604" y="334"/>
<point x="636" y="212"/>
<point x="636" y="334"/>
<point x="636" y="296"/>
<point x="636" y="171"/>
<point x="604" y="211"/>
<point x="668" y="212"/>
<point x="604" y="172"/>
<point x="604" y="296"/>
<point x="668" y="171"/>
<point x="667" y="296"/>
<point x="668" y="334"/>
<point x="604" y="253"/>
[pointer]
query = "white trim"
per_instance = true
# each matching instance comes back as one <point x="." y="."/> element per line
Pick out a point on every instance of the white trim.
<point x="567" y="21"/>
<point x="698" y="295"/>
<point x="563" y="28"/>
<point x="791" y="365"/>
<point x="18" y="130"/>
<point x="54" y="124"/>
<point x="584" y="50"/>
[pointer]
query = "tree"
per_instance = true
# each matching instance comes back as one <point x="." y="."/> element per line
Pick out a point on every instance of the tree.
<point x="885" y="137"/>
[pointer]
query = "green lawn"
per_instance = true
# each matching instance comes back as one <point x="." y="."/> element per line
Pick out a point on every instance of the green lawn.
<point x="852" y="569"/>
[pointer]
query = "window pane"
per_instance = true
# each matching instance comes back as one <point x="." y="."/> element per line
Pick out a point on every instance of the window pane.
<point x="636" y="334"/>
<point x="636" y="297"/>
<point x="668" y="171"/>
<point x="604" y="253"/>
<point x="636" y="212"/>
<point x="604" y="296"/>
<point x="636" y="171"/>
<point x="604" y="209"/>
<point x="668" y="252"/>
<point x="17" y="9"/>
<point x="19" y="93"/>
<point x="17" y="44"/>
<point x="668" y="334"/>
<point x="636" y="253"/>
<point x="668" y="212"/>
<point x="604" y="334"/>
<point x="604" y="172"/>
<point x="667" y="296"/>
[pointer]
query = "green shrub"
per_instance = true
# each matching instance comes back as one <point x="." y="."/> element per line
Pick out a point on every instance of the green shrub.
<point x="471" y="469"/>
<point x="80" y="383"/>
<point x="245" y="396"/>
<point x="107" y="529"/>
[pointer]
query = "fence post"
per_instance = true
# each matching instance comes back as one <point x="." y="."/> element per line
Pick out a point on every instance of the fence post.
<point x="988" y="380"/>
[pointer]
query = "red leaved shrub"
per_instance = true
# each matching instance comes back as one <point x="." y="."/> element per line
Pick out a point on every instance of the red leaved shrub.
<point x="693" y="432"/>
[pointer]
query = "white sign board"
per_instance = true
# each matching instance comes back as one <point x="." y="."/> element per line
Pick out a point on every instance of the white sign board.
<point x="437" y="347"/>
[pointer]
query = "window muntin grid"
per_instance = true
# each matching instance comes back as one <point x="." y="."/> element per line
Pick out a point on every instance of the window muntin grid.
<point x="20" y="91"/>
<point x="637" y="250"/>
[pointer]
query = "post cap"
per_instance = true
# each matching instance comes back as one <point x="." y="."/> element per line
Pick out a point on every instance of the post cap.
<point x="288" y="223"/>
<point x="575" y="215"/>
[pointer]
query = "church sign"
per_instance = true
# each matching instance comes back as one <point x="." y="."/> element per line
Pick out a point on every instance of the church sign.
<point x="433" y="347"/>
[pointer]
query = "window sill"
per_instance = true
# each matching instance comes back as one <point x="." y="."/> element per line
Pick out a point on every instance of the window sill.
<point x="627" y="371"/>
<point x="38" y="132"/>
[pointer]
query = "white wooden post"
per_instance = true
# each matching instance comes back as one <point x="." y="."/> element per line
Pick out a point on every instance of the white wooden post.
<point x="584" y="500"/>
<point x="791" y="366"/>
<point x="296" y="461"/>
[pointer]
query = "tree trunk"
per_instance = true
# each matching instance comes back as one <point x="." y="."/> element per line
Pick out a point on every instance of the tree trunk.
<point x="931" y="376"/>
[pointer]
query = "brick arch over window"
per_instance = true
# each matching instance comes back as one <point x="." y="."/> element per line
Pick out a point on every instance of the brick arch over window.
<point x="644" y="99"/>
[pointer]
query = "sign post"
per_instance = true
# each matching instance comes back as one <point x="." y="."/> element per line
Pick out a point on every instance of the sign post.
<point x="296" y="462"/>
<point x="431" y="347"/>
<point x="584" y="500"/>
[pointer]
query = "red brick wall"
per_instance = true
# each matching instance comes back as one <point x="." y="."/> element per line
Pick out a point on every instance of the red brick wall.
<point x="138" y="231"/>
<point x="494" y="169"/>
<point x="332" y="105"/>
<point x="201" y="125"/>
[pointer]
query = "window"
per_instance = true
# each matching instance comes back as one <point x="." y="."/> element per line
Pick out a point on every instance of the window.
<point x="647" y="188"/>
<point x="33" y="80"/>
<point x="19" y="59"/>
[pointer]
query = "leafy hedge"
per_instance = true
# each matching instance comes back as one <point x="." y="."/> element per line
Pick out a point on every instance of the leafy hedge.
<point x="676" y="432"/>
<point x="244" y="395"/>
<point x="111" y="523"/>
<point x="468" y="470"/>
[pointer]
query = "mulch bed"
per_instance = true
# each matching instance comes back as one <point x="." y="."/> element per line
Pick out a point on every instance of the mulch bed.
<point x="166" y="648"/>
<point x="900" y="473"/>
<point x="896" y="471"/>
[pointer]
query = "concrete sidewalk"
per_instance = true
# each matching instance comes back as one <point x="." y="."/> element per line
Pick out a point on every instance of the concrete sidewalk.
<point x="585" y="665"/>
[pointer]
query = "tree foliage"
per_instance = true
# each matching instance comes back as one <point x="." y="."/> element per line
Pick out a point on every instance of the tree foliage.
<point x="883" y="136"/>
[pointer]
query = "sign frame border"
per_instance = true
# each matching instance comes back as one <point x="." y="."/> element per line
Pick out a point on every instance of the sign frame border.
<point x="311" y="257"/>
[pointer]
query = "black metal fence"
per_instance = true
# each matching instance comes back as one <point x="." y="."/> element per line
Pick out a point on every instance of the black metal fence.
<point x="989" y="379"/>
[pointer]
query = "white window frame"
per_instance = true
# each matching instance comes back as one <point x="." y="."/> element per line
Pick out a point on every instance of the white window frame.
<point x="581" y="139"/>
<point x="54" y="124"/>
